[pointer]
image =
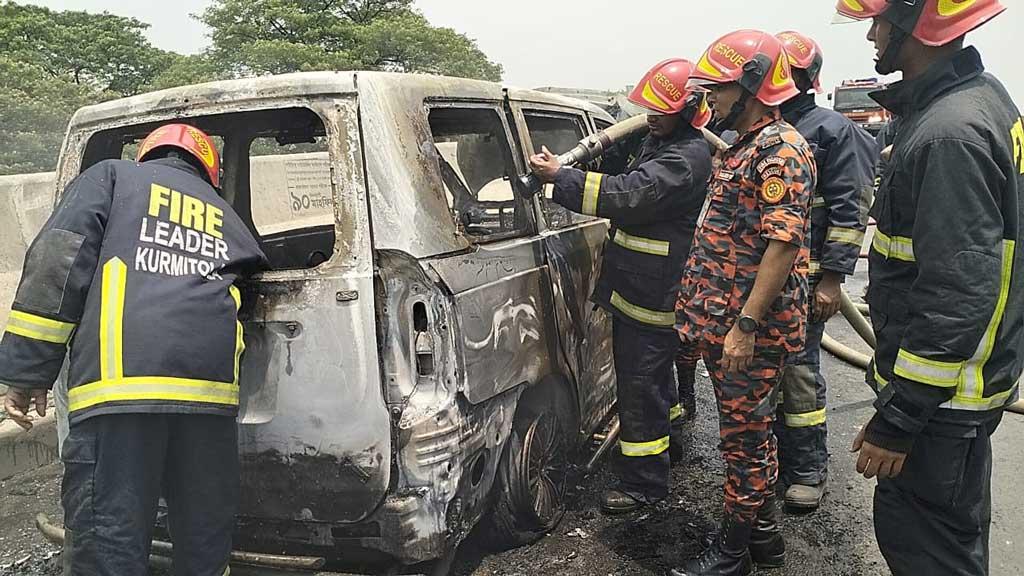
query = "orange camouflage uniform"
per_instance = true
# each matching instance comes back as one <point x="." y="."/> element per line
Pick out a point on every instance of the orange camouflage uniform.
<point x="761" y="191"/>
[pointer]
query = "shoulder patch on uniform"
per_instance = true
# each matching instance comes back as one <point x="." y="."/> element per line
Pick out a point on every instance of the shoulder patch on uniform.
<point x="768" y="162"/>
<point x="770" y="137"/>
<point x="725" y="175"/>
<point x="769" y="141"/>
<point x="773" y="190"/>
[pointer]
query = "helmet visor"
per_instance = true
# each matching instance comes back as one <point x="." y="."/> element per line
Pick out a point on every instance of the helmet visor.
<point x="840" y="18"/>
<point x="700" y="84"/>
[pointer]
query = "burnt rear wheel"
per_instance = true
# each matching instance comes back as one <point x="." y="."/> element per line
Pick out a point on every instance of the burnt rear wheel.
<point x="533" y="473"/>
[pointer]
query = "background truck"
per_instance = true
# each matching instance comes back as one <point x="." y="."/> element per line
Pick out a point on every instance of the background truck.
<point x="851" y="100"/>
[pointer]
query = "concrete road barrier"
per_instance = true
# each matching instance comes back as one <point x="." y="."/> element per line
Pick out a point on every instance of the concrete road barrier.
<point x="22" y="451"/>
<point x="25" y="203"/>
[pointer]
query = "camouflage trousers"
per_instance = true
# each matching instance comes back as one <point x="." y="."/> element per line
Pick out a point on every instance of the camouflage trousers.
<point x="746" y="410"/>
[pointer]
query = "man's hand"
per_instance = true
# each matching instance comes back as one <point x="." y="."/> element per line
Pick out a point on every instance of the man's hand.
<point x="827" y="296"/>
<point x="738" y="350"/>
<point x="875" y="461"/>
<point x="545" y="165"/>
<point x="17" y="403"/>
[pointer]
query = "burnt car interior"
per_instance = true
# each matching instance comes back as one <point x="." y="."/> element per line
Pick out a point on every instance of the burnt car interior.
<point x="275" y="173"/>
<point x="476" y="167"/>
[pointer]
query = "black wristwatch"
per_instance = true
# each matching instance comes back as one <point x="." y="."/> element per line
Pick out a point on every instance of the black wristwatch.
<point x="748" y="324"/>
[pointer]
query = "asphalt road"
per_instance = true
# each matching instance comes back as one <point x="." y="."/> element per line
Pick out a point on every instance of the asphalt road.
<point x="838" y="540"/>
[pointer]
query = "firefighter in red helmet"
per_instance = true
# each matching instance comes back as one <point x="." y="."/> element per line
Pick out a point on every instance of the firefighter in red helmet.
<point x="653" y="206"/>
<point x="154" y="353"/>
<point x="845" y="157"/>
<point x="946" y="285"/>
<point x="744" y="289"/>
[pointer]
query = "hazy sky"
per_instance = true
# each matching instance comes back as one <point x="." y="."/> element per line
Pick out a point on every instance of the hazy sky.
<point x="606" y="43"/>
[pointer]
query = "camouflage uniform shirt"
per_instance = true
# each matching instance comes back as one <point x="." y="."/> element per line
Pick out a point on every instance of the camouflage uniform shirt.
<point x="761" y="191"/>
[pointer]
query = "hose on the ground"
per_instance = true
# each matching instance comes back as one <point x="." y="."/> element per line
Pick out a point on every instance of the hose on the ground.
<point x="856" y="319"/>
<point x="845" y="353"/>
<point x="860" y="324"/>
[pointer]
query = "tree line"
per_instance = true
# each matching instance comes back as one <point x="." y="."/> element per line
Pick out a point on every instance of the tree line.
<point x="54" y="62"/>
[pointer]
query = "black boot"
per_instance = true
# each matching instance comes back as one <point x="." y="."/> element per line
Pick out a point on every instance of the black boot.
<point x="729" y="555"/>
<point x="619" y="502"/>
<point x="767" y="548"/>
<point x="686" y="376"/>
<point x="676" y="441"/>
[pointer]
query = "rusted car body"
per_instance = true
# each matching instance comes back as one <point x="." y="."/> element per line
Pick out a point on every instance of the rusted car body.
<point x="424" y="325"/>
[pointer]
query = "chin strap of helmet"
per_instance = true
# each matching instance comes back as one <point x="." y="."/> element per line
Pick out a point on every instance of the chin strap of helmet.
<point x="903" y="15"/>
<point x="737" y="110"/>
<point x="691" y="108"/>
<point x="754" y="72"/>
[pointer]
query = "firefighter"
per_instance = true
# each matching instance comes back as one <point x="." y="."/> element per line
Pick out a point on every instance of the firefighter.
<point x="653" y="208"/>
<point x="845" y="155"/>
<point x="135" y="274"/>
<point x="744" y="288"/>
<point x="946" y="292"/>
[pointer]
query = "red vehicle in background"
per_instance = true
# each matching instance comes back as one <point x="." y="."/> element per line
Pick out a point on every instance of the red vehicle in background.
<point x="851" y="100"/>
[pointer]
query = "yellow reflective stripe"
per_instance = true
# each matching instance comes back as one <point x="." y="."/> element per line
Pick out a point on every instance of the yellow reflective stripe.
<point x="973" y="382"/>
<point x="818" y="202"/>
<point x="897" y="247"/>
<point x="115" y="276"/>
<point x="39" y="328"/>
<point x="806" y="419"/>
<point x="882" y="382"/>
<point x="675" y="412"/>
<point x="652" y="448"/>
<point x="141" y="388"/>
<point x="934" y="372"/>
<point x="814" y="267"/>
<point x="640" y="244"/>
<point x="982" y="404"/>
<point x="845" y="235"/>
<point x="640" y="314"/>
<point x="591" y="190"/>
<point x="239" y="330"/>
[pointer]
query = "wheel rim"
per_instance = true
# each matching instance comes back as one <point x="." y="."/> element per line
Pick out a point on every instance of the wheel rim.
<point x="545" y="469"/>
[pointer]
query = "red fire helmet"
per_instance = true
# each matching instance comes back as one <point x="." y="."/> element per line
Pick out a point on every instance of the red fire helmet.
<point x="663" y="90"/>
<point x="940" y="21"/>
<point x="805" y="54"/>
<point x="753" y="59"/>
<point x="187" y="138"/>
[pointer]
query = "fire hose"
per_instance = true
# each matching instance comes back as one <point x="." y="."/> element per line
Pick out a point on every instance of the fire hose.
<point x="595" y="145"/>
<point x="242" y="562"/>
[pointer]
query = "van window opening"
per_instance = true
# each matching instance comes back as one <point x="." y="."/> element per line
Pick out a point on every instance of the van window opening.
<point x="276" y="175"/>
<point x="558" y="133"/>
<point x="475" y="166"/>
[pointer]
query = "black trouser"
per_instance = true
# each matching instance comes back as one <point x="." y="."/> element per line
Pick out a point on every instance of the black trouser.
<point x="934" y="517"/>
<point x="646" y="394"/>
<point x="800" y="426"/>
<point x="116" y="466"/>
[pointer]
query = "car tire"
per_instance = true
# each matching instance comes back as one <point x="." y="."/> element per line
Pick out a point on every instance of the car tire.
<point x="530" y="487"/>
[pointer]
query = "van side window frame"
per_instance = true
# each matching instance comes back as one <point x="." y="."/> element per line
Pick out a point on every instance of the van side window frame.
<point x="582" y="121"/>
<point x="513" y="161"/>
